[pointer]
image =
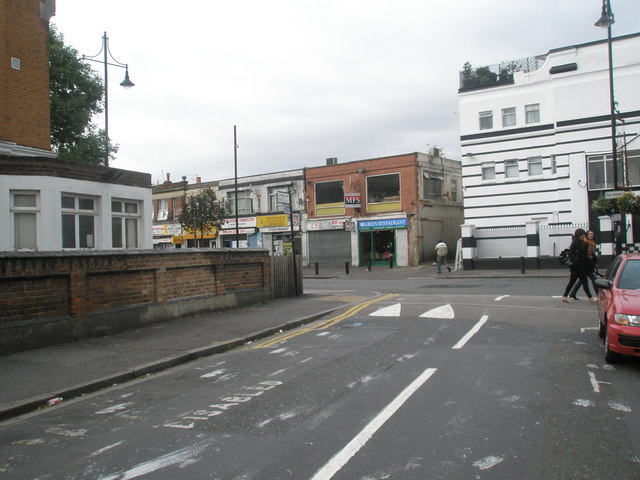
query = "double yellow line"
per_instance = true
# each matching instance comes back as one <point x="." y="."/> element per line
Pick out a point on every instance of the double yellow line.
<point x="322" y="325"/>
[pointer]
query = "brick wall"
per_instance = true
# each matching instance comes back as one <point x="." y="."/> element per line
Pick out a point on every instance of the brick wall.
<point x="24" y="93"/>
<point x="55" y="297"/>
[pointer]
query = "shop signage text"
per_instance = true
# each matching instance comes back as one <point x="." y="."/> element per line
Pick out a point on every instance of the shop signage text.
<point x="386" y="224"/>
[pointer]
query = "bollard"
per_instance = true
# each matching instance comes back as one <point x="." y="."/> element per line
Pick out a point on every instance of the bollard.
<point x="317" y="267"/>
<point x="521" y="264"/>
<point x="346" y="267"/>
<point x="390" y="261"/>
<point x="369" y="266"/>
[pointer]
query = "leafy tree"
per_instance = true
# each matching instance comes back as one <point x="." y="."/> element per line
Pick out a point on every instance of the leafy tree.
<point x="76" y="95"/>
<point x="202" y="212"/>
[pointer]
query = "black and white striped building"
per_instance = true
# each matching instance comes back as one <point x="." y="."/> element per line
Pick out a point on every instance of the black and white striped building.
<point x="536" y="148"/>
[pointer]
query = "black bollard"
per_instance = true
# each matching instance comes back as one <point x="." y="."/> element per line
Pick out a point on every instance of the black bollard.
<point x="317" y="267"/>
<point x="346" y="267"/>
<point x="521" y="264"/>
<point x="390" y="261"/>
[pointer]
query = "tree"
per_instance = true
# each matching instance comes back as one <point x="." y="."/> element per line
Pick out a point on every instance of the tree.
<point x="202" y="212"/>
<point x="76" y="96"/>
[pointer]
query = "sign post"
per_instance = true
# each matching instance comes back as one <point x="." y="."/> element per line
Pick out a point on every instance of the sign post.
<point x="286" y="196"/>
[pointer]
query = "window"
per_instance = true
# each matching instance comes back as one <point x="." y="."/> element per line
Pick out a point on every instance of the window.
<point x="488" y="171"/>
<point x="383" y="193"/>
<point x="163" y="209"/>
<point x="245" y="205"/>
<point x="511" y="168"/>
<point x="176" y="206"/>
<point x="509" y="117"/>
<point x="25" y="208"/>
<point x="124" y="223"/>
<point x="274" y="206"/>
<point x="486" y="120"/>
<point x="554" y="165"/>
<point x="600" y="172"/>
<point x="330" y="198"/>
<point x="633" y="167"/>
<point x="532" y="113"/>
<point x="454" y="190"/>
<point x="78" y="221"/>
<point x="535" y="165"/>
<point x="432" y="186"/>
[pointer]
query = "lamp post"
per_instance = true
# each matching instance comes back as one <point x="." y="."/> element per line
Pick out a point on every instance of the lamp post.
<point x="605" y="21"/>
<point x="126" y="83"/>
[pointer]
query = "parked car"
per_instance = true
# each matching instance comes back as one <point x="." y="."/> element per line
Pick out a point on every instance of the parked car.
<point x="619" y="307"/>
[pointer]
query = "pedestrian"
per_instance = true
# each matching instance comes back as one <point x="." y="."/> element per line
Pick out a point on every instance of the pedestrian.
<point x="591" y="264"/>
<point x="578" y="257"/>
<point x="441" y="255"/>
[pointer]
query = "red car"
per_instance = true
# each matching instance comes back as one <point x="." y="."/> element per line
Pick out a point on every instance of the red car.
<point x="619" y="307"/>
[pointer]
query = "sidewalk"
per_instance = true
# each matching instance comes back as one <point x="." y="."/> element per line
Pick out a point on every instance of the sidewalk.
<point x="32" y="378"/>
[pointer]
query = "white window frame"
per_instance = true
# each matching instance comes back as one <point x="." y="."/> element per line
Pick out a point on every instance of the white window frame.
<point x="486" y="120"/>
<point x="274" y="205"/>
<point x="245" y="203"/>
<point x="511" y="168"/>
<point x="129" y="223"/>
<point x="488" y="170"/>
<point x="534" y="166"/>
<point x="532" y="113"/>
<point x="454" y="190"/>
<point x="163" y="209"/>
<point x="79" y="214"/>
<point x="18" y="211"/>
<point x="509" y="117"/>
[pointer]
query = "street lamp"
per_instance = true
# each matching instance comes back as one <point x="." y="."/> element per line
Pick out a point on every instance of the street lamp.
<point x="126" y="83"/>
<point x="605" y="21"/>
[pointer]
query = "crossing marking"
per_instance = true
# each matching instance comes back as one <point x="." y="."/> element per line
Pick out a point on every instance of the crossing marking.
<point x="390" y="311"/>
<point x="445" y="311"/>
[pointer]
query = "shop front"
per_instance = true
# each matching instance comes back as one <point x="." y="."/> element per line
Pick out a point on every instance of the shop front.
<point x="329" y="241"/>
<point x="381" y="241"/>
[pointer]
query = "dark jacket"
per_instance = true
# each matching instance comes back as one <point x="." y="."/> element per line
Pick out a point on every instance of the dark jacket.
<point x="578" y="254"/>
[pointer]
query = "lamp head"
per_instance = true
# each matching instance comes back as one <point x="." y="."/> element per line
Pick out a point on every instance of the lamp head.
<point x="606" y="17"/>
<point x="127" y="83"/>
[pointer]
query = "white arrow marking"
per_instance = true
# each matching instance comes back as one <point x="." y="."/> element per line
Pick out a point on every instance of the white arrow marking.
<point x="390" y="311"/>
<point x="444" y="311"/>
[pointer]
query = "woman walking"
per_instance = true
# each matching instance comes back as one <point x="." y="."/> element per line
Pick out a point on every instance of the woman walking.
<point x="579" y="265"/>
<point x="591" y="264"/>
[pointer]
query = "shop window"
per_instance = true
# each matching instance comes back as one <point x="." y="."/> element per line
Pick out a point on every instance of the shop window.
<point x="25" y="209"/>
<point x="329" y="198"/>
<point x="383" y="193"/>
<point x="78" y="221"/>
<point x="125" y="216"/>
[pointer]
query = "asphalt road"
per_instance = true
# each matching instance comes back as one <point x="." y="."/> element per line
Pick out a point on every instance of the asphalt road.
<point x="436" y="379"/>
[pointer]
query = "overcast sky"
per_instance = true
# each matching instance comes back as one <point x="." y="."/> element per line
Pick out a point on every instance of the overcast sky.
<point x="304" y="80"/>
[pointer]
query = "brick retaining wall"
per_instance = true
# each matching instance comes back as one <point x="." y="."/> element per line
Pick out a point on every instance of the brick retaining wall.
<point x="49" y="298"/>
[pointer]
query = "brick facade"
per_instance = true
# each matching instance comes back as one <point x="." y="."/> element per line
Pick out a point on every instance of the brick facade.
<point x="24" y="93"/>
<point x="51" y="298"/>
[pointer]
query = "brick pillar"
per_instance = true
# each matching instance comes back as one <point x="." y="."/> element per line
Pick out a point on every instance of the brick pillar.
<point x="77" y="291"/>
<point x="468" y="246"/>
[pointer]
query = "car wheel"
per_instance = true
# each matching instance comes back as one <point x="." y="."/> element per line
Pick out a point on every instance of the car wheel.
<point x="603" y="328"/>
<point x="609" y="356"/>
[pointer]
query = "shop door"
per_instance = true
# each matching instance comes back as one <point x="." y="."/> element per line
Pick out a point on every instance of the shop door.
<point x="378" y="246"/>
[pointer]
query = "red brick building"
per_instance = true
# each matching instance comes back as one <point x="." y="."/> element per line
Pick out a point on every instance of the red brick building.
<point x="24" y="77"/>
<point x="382" y="209"/>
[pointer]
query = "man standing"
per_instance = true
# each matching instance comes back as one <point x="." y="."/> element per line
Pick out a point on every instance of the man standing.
<point x="441" y="254"/>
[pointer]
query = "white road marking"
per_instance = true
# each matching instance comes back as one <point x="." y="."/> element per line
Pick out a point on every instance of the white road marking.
<point x="488" y="462"/>
<point x="444" y="311"/>
<point x="341" y="458"/>
<point x="581" y="402"/>
<point x="114" y="408"/>
<point x="619" y="406"/>
<point x="497" y="299"/>
<point x="582" y="330"/>
<point x="596" y="383"/>
<point x="471" y="333"/>
<point x="215" y="373"/>
<point x="104" y="449"/>
<point x="186" y="454"/>
<point x="390" y="311"/>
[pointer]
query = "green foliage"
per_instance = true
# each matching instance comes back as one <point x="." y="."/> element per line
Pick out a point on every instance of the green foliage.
<point x="627" y="203"/>
<point x="602" y="205"/>
<point x="76" y="95"/>
<point x="202" y="212"/>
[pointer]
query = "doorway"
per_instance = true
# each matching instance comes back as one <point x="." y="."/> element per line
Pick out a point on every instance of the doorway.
<point x="378" y="247"/>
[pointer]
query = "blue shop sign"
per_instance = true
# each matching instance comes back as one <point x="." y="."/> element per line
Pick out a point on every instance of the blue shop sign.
<point x="389" y="224"/>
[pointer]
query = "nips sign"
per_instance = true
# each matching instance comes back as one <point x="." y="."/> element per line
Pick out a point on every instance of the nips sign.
<point x="352" y="200"/>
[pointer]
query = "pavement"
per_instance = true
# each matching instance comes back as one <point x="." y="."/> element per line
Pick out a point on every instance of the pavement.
<point x="35" y="378"/>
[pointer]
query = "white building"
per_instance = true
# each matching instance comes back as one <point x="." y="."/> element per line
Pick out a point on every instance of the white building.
<point x="51" y="205"/>
<point x="536" y="146"/>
